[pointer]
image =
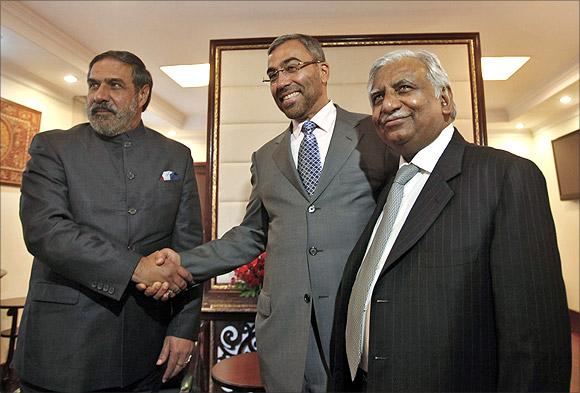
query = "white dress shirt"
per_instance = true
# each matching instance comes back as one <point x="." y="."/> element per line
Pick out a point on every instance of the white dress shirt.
<point x="425" y="160"/>
<point x="325" y="119"/>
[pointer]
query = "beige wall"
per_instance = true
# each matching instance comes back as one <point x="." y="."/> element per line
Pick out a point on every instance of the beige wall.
<point x="566" y="213"/>
<point x="57" y="112"/>
<point x="14" y="258"/>
<point x="536" y="145"/>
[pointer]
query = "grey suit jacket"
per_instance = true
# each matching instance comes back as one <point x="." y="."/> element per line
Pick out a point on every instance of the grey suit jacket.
<point x="90" y="208"/>
<point x="307" y="239"/>
<point x="471" y="296"/>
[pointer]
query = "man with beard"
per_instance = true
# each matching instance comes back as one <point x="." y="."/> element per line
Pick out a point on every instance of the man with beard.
<point x="97" y="201"/>
<point x="313" y="189"/>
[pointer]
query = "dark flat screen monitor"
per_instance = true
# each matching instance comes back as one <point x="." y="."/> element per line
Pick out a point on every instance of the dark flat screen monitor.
<point x="567" y="157"/>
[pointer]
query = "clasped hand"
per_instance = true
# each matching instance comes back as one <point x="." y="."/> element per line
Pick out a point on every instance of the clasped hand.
<point x="161" y="275"/>
<point x="157" y="284"/>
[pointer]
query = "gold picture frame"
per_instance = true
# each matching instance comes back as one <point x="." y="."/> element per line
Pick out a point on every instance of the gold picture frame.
<point x="236" y="71"/>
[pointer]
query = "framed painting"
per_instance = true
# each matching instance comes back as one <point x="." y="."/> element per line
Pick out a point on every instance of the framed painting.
<point x="18" y="125"/>
<point x="242" y="115"/>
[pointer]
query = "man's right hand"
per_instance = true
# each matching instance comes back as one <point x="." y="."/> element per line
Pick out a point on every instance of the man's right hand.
<point x="161" y="290"/>
<point x="161" y="267"/>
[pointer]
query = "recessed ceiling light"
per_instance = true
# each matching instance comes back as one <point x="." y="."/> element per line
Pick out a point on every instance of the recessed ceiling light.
<point x="565" y="99"/>
<point x="188" y="75"/>
<point x="171" y="133"/>
<point x="519" y="126"/>
<point x="70" y="79"/>
<point x="501" y="68"/>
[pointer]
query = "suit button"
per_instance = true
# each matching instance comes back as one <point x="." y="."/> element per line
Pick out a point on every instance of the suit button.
<point x="111" y="290"/>
<point x="127" y="144"/>
<point x="130" y="175"/>
<point x="131" y="247"/>
<point x="312" y="251"/>
<point x="94" y="284"/>
<point x="311" y="209"/>
<point x="132" y="211"/>
<point x="307" y="298"/>
<point x="100" y="286"/>
<point x="106" y="287"/>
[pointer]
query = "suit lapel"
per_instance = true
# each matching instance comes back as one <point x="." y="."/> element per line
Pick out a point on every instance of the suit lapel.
<point x="435" y="195"/>
<point x="283" y="159"/>
<point x="344" y="140"/>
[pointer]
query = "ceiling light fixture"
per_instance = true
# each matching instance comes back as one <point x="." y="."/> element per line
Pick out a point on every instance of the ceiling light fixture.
<point x="70" y="78"/>
<point x="565" y="99"/>
<point x="188" y="75"/>
<point x="520" y="126"/>
<point x="501" y="68"/>
<point x="171" y="133"/>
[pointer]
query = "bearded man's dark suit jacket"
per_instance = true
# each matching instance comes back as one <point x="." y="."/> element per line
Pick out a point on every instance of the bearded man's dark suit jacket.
<point x="91" y="207"/>
<point x="471" y="297"/>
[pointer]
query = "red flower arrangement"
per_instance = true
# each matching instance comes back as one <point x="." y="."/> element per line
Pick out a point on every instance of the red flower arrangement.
<point x="249" y="278"/>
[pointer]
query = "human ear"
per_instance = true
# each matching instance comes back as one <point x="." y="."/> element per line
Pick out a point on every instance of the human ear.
<point x="446" y="100"/>
<point x="324" y="72"/>
<point x="143" y="95"/>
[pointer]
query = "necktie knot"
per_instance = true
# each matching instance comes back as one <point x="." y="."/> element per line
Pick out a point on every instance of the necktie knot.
<point x="308" y="127"/>
<point x="406" y="173"/>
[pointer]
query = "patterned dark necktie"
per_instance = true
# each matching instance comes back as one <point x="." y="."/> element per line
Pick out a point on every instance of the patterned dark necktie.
<point x="361" y="289"/>
<point x="309" y="167"/>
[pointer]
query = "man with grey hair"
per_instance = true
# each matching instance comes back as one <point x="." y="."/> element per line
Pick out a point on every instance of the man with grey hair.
<point x="97" y="201"/>
<point x="313" y="190"/>
<point x="455" y="284"/>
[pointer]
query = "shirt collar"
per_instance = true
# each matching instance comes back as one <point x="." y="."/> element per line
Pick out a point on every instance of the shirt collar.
<point x="427" y="157"/>
<point x="323" y="119"/>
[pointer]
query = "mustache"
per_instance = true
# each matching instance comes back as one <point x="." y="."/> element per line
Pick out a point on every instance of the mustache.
<point x="398" y="114"/>
<point x="286" y="90"/>
<point x="109" y="106"/>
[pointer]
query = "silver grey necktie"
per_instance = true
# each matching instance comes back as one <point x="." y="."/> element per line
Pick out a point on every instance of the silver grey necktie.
<point x="361" y="289"/>
<point x="309" y="167"/>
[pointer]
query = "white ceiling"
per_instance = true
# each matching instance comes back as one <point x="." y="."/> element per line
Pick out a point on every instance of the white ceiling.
<point x="43" y="40"/>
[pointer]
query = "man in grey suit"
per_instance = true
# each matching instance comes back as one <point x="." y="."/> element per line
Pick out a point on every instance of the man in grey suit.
<point x="307" y="222"/>
<point x="96" y="200"/>
<point x="460" y="288"/>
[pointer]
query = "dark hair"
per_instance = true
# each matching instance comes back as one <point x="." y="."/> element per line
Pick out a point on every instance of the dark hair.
<point x="141" y="76"/>
<point x="310" y="43"/>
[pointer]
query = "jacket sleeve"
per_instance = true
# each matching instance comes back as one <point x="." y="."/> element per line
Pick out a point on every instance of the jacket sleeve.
<point x="532" y="322"/>
<point x="187" y="233"/>
<point x="236" y="247"/>
<point x="77" y="252"/>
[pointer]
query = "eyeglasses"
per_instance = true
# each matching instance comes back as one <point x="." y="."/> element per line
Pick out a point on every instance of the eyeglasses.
<point x="290" y="68"/>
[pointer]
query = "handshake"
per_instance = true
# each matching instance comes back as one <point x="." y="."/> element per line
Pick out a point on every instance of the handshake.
<point x="161" y="275"/>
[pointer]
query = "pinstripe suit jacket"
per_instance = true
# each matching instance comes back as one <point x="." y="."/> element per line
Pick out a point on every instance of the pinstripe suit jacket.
<point x="471" y="296"/>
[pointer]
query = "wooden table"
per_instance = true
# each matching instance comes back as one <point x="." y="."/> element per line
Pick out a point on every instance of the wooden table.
<point x="223" y="311"/>
<point x="13" y="305"/>
<point x="240" y="373"/>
